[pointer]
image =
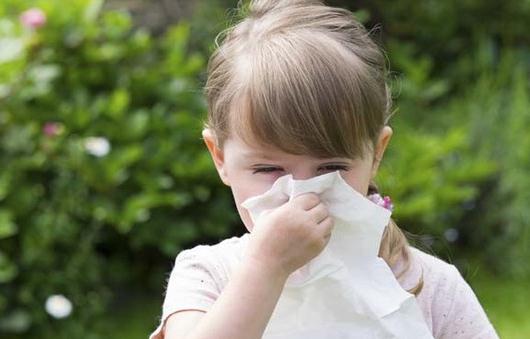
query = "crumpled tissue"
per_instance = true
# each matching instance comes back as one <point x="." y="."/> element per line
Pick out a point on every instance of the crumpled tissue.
<point x="347" y="291"/>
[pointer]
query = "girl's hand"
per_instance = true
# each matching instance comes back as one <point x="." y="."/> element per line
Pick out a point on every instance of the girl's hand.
<point x="286" y="238"/>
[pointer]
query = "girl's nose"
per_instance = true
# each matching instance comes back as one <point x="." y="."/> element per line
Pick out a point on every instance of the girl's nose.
<point x="303" y="174"/>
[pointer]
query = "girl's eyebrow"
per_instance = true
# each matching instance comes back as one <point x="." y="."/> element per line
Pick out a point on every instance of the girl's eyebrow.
<point x="264" y="156"/>
<point x="256" y="155"/>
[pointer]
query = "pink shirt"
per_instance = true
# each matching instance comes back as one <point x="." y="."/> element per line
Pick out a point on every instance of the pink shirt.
<point x="448" y="303"/>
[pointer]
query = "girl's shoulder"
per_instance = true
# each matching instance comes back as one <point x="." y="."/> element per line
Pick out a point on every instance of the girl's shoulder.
<point x="226" y="248"/>
<point x="198" y="276"/>
<point x="447" y="301"/>
<point x="439" y="277"/>
<point x="436" y="273"/>
<point x="434" y="269"/>
<point x="219" y="259"/>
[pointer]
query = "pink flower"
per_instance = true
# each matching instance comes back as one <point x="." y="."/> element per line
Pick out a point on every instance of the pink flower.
<point x="385" y="202"/>
<point x="52" y="129"/>
<point x="33" y="18"/>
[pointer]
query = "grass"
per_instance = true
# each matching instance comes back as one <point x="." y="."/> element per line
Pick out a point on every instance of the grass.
<point x="505" y="301"/>
<point x="136" y="319"/>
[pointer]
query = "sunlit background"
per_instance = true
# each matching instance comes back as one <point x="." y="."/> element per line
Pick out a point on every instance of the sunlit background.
<point x="104" y="177"/>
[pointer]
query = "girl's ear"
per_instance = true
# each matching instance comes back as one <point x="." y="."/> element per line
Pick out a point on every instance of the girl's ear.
<point x="217" y="154"/>
<point x="382" y="143"/>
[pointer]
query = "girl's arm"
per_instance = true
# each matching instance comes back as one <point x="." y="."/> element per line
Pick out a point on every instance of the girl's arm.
<point x="244" y="307"/>
<point x="283" y="240"/>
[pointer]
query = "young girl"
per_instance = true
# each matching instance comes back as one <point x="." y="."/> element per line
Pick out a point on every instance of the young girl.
<point x="297" y="88"/>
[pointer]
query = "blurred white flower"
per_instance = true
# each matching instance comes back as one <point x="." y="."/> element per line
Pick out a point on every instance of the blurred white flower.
<point x="33" y="18"/>
<point x="451" y="234"/>
<point x="58" y="306"/>
<point x="97" y="146"/>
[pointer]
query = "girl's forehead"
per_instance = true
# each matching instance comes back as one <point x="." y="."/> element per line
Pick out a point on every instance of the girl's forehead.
<point x="255" y="151"/>
<point x="252" y="148"/>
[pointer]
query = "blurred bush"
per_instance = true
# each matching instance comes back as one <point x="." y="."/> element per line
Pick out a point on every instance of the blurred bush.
<point x="103" y="171"/>
<point x="499" y="110"/>
<point x="462" y="185"/>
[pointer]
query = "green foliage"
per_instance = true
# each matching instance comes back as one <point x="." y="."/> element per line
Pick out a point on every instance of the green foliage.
<point x="500" y="115"/>
<point x="459" y="163"/>
<point x="430" y="178"/>
<point x="101" y="160"/>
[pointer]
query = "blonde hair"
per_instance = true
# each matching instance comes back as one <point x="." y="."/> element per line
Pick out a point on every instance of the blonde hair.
<point x="305" y="78"/>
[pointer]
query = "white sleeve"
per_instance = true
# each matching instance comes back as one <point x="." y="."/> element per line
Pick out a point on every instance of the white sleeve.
<point x="192" y="285"/>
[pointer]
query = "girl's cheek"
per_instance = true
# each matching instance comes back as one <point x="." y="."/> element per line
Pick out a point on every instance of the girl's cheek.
<point x="265" y="178"/>
<point x="261" y="184"/>
<point x="249" y="185"/>
<point x="273" y="177"/>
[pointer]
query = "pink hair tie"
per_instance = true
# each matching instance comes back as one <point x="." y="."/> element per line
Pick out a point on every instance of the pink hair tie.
<point x="385" y="202"/>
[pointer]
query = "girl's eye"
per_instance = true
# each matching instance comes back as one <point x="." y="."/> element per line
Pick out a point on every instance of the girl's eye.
<point x="335" y="168"/>
<point x="274" y="169"/>
<point x="266" y="169"/>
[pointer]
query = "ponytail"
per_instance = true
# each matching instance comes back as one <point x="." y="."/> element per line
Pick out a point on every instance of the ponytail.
<point x="395" y="246"/>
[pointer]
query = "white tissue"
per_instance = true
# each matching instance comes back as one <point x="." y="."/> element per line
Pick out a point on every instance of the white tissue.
<point x="347" y="291"/>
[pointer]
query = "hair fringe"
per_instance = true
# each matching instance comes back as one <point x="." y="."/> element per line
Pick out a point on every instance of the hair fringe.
<point x="258" y="8"/>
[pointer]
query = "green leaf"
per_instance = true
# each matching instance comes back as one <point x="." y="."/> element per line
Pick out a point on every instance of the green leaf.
<point x="5" y="179"/>
<point x="118" y="103"/>
<point x="137" y="208"/>
<point x="92" y="10"/>
<point x="8" y="270"/>
<point x="7" y="226"/>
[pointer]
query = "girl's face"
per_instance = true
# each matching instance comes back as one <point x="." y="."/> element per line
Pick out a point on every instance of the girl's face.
<point x="251" y="170"/>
